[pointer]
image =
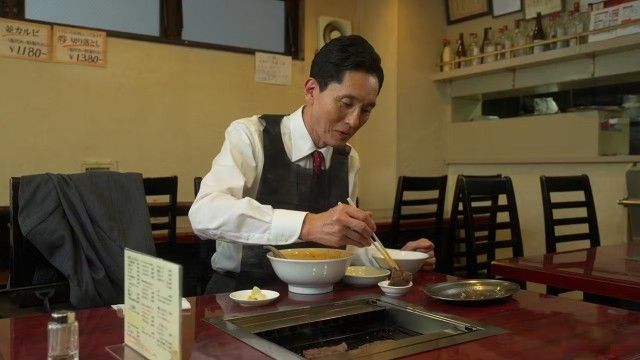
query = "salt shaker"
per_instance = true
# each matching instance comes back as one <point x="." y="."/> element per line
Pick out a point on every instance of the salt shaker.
<point x="62" y="335"/>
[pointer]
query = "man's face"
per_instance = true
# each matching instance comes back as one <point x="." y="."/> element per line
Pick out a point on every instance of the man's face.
<point x="334" y="115"/>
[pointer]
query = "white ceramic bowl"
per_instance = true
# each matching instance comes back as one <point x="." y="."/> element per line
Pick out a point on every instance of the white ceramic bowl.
<point x="394" y="290"/>
<point x="242" y="297"/>
<point x="311" y="270"/>
<point x="365" y="275"/>
<point x="410" y="261"/>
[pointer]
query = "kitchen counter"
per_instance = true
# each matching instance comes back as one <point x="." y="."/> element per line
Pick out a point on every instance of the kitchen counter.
<point x="539" y="327"/>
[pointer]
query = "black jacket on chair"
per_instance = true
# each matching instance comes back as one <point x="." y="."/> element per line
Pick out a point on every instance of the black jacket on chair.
<point x="81" y="223"/>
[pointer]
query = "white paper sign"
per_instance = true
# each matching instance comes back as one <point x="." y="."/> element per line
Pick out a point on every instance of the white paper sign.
<point x="613" y="16"/>
<point x="629" y="12"/>
<point x="152" y="299"/>
<point x="25" y="40"/>
<point x="273" y="69"/>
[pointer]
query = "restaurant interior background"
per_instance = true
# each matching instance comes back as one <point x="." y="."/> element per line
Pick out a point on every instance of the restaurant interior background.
<point x="162" y="110"/>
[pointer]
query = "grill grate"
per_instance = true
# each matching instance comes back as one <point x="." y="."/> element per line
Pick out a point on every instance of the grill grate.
<point x="354" y="330"/>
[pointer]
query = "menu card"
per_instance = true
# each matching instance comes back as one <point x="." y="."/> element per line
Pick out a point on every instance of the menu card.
<point x="152" y="298"/>
<point x="79" y="46"/>
<point x="25" y="40"/>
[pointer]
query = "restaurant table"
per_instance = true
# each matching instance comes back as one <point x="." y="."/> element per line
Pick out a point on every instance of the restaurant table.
<point x="609" y="270"/>
<point x="538" y="327"/>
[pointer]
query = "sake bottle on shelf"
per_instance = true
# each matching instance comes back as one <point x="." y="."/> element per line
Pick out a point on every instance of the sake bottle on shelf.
<point x="445" y="55"/>
<point x="487" y="46"/>
<point x="473" y="49"/>
<point x="498" y="44"/>
<point x="461" y="52"/>
<point x="508" y="40"/>
<point x="538" y="35"/>
<point x="561" y="29"/>
<point x="519" y="38"/>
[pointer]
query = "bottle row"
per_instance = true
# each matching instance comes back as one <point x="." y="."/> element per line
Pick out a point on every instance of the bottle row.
<point x="527" y="37"/>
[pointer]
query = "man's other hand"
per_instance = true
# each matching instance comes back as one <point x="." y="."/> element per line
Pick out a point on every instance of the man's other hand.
<point x="425" y="246"/>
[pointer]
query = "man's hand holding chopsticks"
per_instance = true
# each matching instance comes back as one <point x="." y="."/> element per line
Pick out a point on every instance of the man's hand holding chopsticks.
<point x="341" y="225"/>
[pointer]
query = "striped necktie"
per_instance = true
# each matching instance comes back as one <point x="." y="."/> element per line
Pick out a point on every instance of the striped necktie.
<point x="318" y="162"/>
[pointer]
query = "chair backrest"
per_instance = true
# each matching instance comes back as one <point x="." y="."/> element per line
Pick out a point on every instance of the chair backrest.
<point x="162" y="212"/>
<point x="576" y="198"/>
<point x="4" y="239"/>
<point x="490" y="221"/>
<point x="196" y="185"/>
<point x="455" y="248"/>
<point x="419" y="201"/>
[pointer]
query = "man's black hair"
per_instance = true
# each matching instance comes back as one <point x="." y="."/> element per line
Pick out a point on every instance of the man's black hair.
<point x="344" y="53"/>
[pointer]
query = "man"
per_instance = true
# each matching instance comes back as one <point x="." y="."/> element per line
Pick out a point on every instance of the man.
<point x="285" y="180"/>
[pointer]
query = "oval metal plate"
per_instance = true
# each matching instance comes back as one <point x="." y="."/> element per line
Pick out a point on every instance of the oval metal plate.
<point x="472" y="290"/>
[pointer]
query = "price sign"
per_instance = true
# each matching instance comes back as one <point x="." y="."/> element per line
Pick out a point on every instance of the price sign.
<point x="25" y="40"/>
<point x="79" y="46"/>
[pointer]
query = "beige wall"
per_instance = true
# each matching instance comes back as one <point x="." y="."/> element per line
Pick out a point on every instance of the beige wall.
<point x="155" y="109"/>
<point x="422" y="105"/>
<point x="376" y="142"/>
<point x="161" y="109"/>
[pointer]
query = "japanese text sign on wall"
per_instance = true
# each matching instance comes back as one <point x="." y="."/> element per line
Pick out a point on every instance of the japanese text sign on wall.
<point x="25" y="40"/>
<point x="79" y="46"/>
<point x="273" y="69"/>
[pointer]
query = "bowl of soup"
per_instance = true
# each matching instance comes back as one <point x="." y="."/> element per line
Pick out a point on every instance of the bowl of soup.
<point x="311" y="270"/>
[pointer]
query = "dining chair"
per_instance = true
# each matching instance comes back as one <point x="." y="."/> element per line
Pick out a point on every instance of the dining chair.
<point x="196" y="185"/>
<point x="490" y="217"/>
<point x="577" y="198"/>
<point x="455" y="247"/>
<point x="162" y="199"/>
<point x="569" y="214"/>
<point x="418" y="209"/>
<point x="4" y="242"/>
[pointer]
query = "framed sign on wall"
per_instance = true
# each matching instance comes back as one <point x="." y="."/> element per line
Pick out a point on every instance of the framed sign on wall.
<point x="504" y="7"/>
<point x="532" y="7"/>
<point x="463" y="10"/>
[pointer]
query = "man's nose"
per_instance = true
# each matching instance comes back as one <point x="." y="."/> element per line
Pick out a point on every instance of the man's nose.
<point x="353" y="118"/>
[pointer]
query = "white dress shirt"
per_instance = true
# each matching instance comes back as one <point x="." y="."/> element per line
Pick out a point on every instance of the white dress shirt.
<point x="225" y="208"/>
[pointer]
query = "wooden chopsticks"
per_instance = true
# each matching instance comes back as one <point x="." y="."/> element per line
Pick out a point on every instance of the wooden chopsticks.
<point x="378" y="245"/>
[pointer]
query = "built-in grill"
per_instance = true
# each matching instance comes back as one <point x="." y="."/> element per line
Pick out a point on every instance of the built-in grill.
<point x="408" y="329"/>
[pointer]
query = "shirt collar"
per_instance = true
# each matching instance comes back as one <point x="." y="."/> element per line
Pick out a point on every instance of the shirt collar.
<point x="301" y="143"/>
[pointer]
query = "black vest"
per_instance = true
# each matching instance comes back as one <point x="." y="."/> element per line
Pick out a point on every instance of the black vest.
<point x="286" y="185"/>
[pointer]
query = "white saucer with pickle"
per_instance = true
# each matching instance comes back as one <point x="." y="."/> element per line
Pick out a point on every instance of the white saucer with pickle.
<point x="365" y="275"/>
<point x="254" y="297"/>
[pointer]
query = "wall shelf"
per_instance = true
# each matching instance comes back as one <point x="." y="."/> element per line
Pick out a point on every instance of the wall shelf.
<point x="588" y="50"/>
<point x="539" y="139"/>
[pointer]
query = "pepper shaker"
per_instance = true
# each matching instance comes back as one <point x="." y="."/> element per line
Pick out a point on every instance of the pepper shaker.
<point x="62" y="336"/>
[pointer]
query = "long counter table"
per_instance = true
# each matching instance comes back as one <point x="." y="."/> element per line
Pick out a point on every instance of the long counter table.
<point x="609" y="270"/>
<point x="539" y="327"/>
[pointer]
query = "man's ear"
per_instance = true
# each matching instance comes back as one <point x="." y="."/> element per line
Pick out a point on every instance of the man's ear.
<point x="311" y="89"/>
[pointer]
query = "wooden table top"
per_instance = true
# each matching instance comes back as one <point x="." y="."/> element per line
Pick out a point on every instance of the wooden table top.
<point x="610" y="270"/>
<point x="540" y="327"/>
